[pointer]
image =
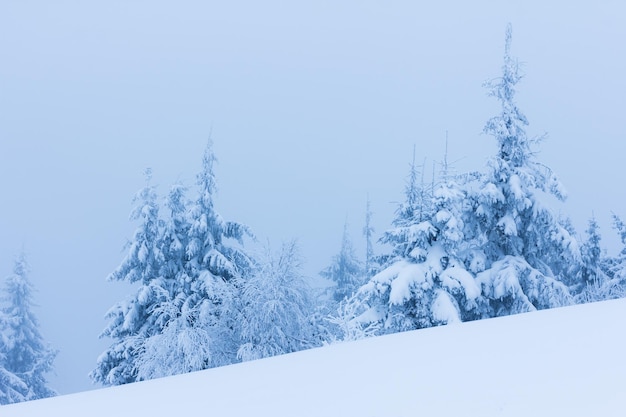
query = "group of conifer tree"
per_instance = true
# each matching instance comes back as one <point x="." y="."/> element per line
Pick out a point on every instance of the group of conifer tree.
<point x="464" y="247"/>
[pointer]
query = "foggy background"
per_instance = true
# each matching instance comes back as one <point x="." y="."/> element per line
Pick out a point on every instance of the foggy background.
<point x="311" y="105"/>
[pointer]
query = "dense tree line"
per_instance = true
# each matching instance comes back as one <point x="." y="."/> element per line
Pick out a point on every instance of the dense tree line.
<point x="464" y="247"/>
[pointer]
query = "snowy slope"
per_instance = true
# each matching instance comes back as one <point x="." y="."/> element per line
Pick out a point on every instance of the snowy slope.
<point x="566" y="361"/>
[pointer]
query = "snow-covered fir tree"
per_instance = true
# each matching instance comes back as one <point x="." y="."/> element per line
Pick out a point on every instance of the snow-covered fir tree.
<point x="597" y="272"/>
<point x="211" y="246"/>
<point x="416" y="207"/>
<point x="131" y="321"/>
<point x="174" y="240"/>
<point x="189" y="266"/>
<point x="591" y="255"/>
<point x="524" y="254"/>
<point x="199" y="317"/>
<point x="617" y="268"/>
<point x="345" y="270"/>
<point x="276" y="307"/>
<point x="425" y="282"/>
<point x="612" y="283"/>
<point x="25" y="357"/>
<point x="368" y="232"/>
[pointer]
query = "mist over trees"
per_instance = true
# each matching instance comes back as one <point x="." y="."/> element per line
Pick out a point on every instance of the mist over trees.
<point x="463" y="247"/>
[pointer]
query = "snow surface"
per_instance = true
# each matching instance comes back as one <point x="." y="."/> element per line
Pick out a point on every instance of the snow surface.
<point x="564" y="362"/>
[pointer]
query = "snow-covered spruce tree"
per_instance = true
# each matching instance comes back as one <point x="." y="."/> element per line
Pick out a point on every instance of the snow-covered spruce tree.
<point x="199" y="317"/>
<point x="607" y="274"/>
<point x="425" y="283"/>
<point x="597" y="271"/>
<point x="591" y="255"/>
<point x="617" y="268"/>
<point x="25" y="357"/>
<point x="525" y="252"/>
<point x="276" y="307"/>
<point x="174" y="240"/>
<point x="368" y="233"/>
<point x="131" y="321"/>
<point x="345" y="270"/>
<point x="416" y="207"/>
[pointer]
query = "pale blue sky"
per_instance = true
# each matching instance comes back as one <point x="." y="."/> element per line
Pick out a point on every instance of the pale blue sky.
<point x="312" y="105"/>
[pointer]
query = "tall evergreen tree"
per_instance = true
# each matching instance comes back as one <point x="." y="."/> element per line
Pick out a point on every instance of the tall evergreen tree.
<point x="189" y="267"/>
<point x="25" y="357"/>
<point x="131" y="321"/>
<point x="210" y="236"/>
<point x="416" y="207"/>
<point x="591" y="255"/>
<point x="600" y="274"/>
<point x="345" y="270"/>
<point x="526" y="251"/>
<point x="199" y="316"/>
<point x="617" y="267"/>
<point x="175" y="238"/>
<point x="417" y="203"/>
<point x="368" y="233"/>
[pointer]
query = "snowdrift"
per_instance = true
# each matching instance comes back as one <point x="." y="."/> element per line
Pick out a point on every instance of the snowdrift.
<point x="566" y="361"/>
